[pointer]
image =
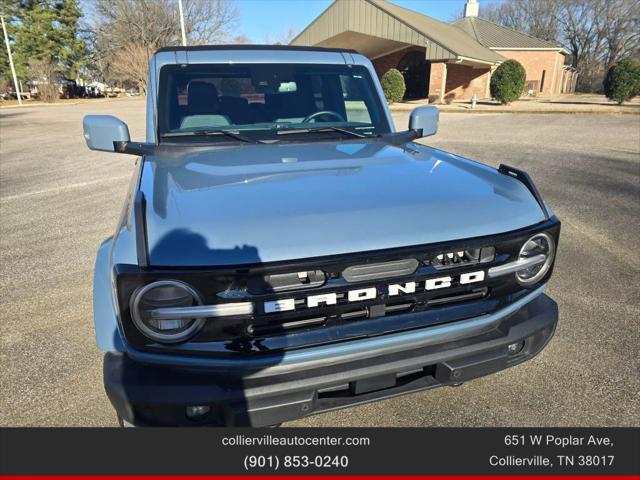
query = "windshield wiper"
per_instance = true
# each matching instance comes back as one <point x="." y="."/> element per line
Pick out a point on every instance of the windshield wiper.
<point x="321" y="129"/>
<point x="207" y="133"/>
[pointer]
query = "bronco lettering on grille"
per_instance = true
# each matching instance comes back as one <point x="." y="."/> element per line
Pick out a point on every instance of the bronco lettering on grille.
<point x="371" y="293"/>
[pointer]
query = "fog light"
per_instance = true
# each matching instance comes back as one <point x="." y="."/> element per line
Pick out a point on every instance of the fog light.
<point x="196" y="411"/>
<point x="515" y="348"/>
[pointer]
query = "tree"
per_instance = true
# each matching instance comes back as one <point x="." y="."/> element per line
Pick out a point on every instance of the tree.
<point x="5" y="71"/>
<point x="596" y="33"/>
<point x="393" y="85"/>
<point x="582" y="38"/>
<point x="5" y="85"/>
<point x="619" y="23"/>
<point x="125" y="33"/>
<point x="534" y="17"/>
<point x="130" y="63"/>
<point x="507" y="82"/>
<point x="622" y="82"/>
<point x="45" y="30"/>
<point x="240" y="40"/>
<point x="283" y="38"/>
<point x="10" y="9"/>
<point x="45" y="73"/>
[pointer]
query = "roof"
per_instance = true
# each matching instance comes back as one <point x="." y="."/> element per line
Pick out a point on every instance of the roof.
<point x="495" y="36"/>
<point x="396" y="25"/>
<point x="442" y="33"/>
<point x="181" y="48"/>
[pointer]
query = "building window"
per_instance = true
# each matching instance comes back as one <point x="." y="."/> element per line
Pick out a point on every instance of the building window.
<point x="542" y="80"/>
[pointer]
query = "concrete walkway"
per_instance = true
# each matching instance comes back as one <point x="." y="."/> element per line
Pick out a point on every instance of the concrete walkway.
<point x="576" y="103"/>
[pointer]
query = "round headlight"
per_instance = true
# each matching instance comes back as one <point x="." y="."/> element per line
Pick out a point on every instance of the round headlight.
<point x="539" y="245"/>
<point x="146" y="311"/>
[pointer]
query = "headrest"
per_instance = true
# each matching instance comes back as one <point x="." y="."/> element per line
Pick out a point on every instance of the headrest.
<point x="202" y="97"/>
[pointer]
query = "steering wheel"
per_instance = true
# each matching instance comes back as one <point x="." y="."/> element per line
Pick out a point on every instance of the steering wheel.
<point x="315" y="115"/>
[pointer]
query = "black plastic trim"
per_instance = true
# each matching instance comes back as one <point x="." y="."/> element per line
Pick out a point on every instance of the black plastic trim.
<point x="400" y="138"/>
<point x="195" y="48"/>
<point x="134" y="388"/>
<point x="139" y="207"/>
<point x="375" y="271"/>
<point x="524" y="177"/>
<point x="135" y="148"/>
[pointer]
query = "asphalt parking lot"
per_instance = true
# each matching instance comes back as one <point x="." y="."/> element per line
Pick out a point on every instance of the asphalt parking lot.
<point x="58" y="201"/>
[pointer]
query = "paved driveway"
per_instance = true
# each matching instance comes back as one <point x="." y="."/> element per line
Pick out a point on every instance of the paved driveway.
<point x="58" y="201"/>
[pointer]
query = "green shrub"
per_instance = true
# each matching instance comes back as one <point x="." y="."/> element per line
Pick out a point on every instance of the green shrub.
<point x="393" y="85"/>
<point x="622" y="82"/>
<point x="507" y="82"/>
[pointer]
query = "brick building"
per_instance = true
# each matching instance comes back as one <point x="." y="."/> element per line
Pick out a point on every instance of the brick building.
<point x="438" y="60"/>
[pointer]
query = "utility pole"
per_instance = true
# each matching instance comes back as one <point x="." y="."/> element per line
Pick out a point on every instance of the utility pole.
<point x="184" y="35"/>
<point x="13" y="70"/>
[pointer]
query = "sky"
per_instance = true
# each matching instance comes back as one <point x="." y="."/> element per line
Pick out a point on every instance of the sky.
<point x="268" y="21"/>
<point x="261" y="19"/>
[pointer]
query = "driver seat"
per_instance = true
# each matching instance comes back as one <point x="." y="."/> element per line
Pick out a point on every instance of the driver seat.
<point x="203" y="105"/>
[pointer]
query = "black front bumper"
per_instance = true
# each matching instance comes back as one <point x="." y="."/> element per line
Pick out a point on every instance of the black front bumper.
<point x="145" y="394"/>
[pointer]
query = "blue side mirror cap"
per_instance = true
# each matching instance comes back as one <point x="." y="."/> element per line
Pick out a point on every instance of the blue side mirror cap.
<point x="424" y="120"/>
<point x="101" y="131"/>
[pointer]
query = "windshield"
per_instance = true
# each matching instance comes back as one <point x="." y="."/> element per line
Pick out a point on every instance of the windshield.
<point x="262" y="102"/>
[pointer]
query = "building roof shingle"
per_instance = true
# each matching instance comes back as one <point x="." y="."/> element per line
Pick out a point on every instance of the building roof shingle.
<point x="492" y="35"/>
<point x="442" y="33"/>
<point x="470" y="39"/>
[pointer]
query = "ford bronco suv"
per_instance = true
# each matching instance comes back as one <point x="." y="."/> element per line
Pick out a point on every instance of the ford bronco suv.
<point x="284" y="251"/>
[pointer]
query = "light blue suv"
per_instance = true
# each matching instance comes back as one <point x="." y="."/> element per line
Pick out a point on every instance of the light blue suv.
<point x="283" y="251"/>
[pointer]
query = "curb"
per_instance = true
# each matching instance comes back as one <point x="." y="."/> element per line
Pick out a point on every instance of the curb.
<point x="31" y="105"/>
<point x="61" y="104"/>
<point x="630" y="111"/>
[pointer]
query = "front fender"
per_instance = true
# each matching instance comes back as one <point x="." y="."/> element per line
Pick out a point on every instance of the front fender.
<point x="105" y="316"/>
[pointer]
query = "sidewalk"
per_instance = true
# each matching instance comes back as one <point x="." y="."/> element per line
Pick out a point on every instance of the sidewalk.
<point x="576" y="103"/>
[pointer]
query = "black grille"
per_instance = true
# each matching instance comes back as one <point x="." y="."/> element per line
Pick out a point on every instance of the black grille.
<point x="298" y="280"/>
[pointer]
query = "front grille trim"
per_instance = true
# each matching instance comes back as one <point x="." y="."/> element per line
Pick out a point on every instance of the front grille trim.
<point x="376" y="271"/>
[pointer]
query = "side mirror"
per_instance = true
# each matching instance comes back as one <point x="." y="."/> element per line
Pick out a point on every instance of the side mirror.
<point x="101" y="131"/>
<point x="424" y="120"/>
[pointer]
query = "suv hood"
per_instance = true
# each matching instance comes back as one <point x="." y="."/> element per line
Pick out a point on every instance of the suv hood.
<point x="264" y="203"/>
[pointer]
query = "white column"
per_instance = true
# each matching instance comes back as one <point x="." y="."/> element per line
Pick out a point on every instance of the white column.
<point x="184" y="35"/>
<point x="444" y="82"/>
<point x="13" y="70"/>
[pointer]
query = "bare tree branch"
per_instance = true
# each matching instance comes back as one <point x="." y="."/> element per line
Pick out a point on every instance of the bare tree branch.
<point x="126" y="32"/>
<point x="596" y="33"/>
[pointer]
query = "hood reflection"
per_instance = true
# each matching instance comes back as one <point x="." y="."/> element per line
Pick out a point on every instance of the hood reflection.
<point x="301" y="200"/>
<point x="221" y="167"/>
